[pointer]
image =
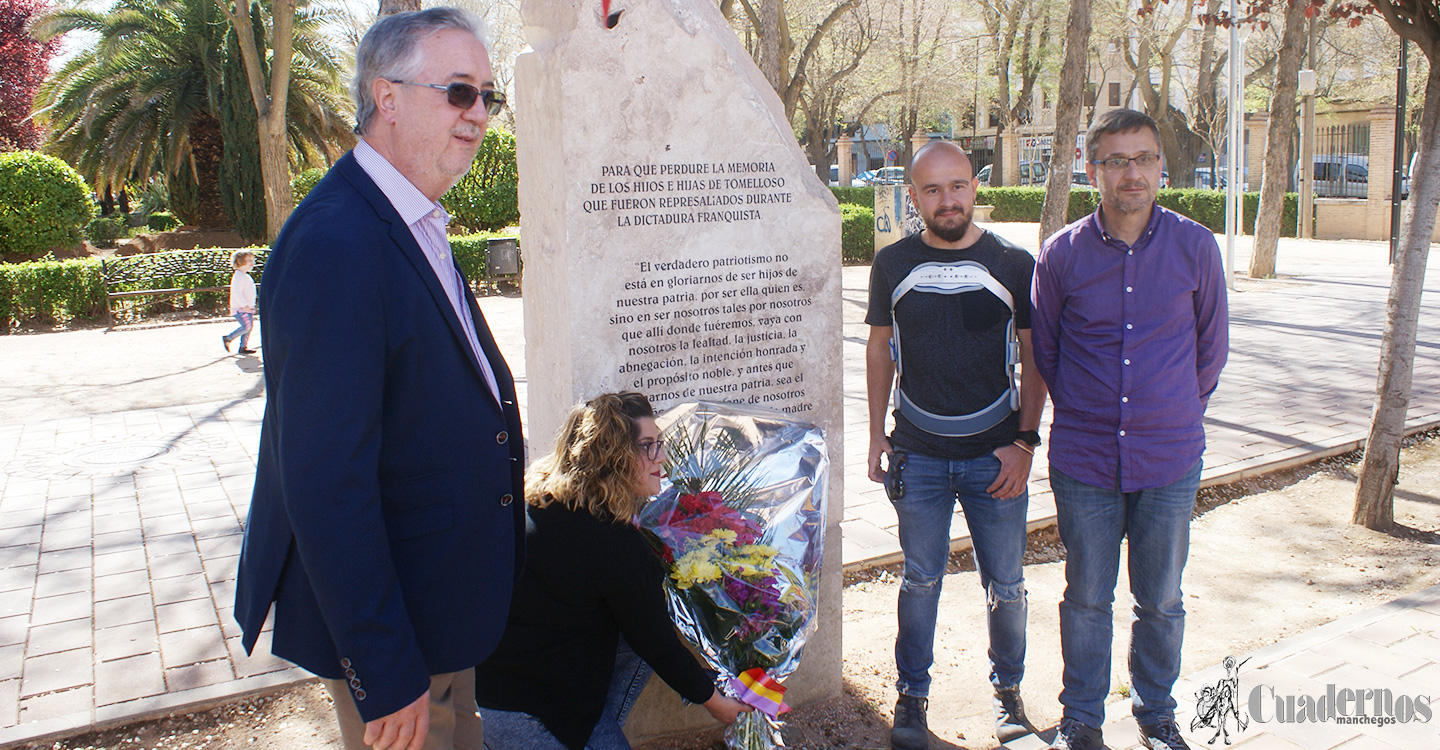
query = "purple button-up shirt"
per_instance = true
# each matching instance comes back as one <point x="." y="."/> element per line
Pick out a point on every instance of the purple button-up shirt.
<point x="426" y="220"/>
<point x="1131" y="341"/>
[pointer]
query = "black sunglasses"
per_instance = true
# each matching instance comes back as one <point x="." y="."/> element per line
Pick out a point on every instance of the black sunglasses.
<point x="463" y="95"/>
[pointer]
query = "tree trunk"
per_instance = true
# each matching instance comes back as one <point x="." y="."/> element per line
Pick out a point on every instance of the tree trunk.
<point x="1375" y="492"/>
<point x="769" y="31"/>
<point x="1278" y="135"/>
<point x="1069" y="98"/>
<point x="271" y="104"/>
<point x="391" y="7"/>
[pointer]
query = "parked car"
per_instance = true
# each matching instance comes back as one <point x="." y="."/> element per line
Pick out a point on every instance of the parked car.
<point x="1342" y="176"/>
<point x="1030" y="174"/>
<point x="889" y="176"/>
<point x="1078" y="179"/>
<point x="835" y="177"/>
<point x="866" y="178"/>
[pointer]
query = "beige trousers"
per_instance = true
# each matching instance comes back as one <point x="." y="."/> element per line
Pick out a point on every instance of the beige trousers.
<point x="454" y="723"/>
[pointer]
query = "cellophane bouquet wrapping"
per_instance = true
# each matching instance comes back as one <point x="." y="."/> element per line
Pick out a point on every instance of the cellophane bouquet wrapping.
<point x="741" y="528"/>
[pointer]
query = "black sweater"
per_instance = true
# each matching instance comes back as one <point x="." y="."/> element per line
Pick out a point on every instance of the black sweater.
<point x="586" y="582"/>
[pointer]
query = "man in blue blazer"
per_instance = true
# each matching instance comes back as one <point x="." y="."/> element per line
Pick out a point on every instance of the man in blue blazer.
<point x="386" y="526"/>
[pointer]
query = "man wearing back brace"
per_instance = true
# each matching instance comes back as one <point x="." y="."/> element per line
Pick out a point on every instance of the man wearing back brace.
<point x="950" y="314"/>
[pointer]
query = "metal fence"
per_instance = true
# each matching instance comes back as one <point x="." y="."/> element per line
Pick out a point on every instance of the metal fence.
<point x="1342" y="161"/>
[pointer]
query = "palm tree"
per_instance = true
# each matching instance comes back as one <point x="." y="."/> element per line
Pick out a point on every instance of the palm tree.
<point x="146" y="99"/>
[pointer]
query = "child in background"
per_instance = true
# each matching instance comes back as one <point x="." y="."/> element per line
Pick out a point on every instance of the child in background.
<point x="242" y="300"/>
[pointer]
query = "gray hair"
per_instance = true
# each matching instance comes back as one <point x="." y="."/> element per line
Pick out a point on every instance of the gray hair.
<point x="1116" y="121"/>
<point x="391" y="50"/>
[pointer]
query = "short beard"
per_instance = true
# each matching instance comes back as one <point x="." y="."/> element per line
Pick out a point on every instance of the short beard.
<point x="950" y="234"/>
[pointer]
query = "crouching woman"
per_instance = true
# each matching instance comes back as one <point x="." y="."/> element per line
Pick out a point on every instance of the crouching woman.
<point x="588" y="623"/>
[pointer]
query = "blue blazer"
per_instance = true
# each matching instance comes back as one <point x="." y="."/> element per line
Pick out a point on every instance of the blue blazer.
<point x="387" y="524"/>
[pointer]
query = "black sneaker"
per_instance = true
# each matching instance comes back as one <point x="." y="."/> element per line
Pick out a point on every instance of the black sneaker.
<point x="1010" y="720"/>
<point x="245" y="351"/>
<point x="1073" y="735"/>
<point x="1162" y="736"/>
<point x="910" y="732"/>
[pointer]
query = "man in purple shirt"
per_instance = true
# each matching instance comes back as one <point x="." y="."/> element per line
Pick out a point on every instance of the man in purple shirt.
<point x="1130" y="333"/>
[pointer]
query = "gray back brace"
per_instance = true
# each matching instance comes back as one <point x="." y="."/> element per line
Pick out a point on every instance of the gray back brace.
<point x="955" y="278"/>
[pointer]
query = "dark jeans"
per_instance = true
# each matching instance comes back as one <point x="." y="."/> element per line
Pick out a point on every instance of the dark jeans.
<point x="997" y="528"/>
<point x="1093" y="521"/>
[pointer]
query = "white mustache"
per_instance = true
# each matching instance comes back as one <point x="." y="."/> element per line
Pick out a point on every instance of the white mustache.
<point x="473" y="133"/>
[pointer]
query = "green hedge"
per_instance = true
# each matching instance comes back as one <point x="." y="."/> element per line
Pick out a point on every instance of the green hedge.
<point x="163" y="221"/>
<point x="469" y="251"/>
<point x="50" y="291"/>
<point x="103" y="231"/>
<point x="859" y="196"/>
<point x="1206" y="207"/>
<point x="857" y="232"/>
<point x="44" y="204"/>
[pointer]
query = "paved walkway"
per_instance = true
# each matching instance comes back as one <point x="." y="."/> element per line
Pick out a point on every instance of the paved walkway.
<point x="119" y="530"/>
<point x="1388" y="655"/>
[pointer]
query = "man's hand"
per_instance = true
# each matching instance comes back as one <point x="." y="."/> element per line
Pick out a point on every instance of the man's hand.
<point x="1014" y="472"/>
<point x="878" y="446"/>
<point x="403" y="730"/>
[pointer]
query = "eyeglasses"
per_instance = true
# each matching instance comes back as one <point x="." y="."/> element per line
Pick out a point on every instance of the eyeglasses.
<point x="1118" y="163"/>
<point x="463" y="95"/>
<point x="653" y="449"/>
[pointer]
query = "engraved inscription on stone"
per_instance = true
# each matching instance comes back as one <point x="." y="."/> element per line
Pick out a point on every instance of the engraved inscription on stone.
<point x="661" y="194"/>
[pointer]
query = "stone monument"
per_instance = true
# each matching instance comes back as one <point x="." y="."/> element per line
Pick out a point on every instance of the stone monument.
<point x="675" y="243"/>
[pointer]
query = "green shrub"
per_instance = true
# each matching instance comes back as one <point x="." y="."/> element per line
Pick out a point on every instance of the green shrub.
<point x="487" y="197"/>
<point x="1082" y="204"/>
<point x="859" y="196"/>
<point x="44" y="204"/>
<point x="301" y="184"/>
<point x="857" y="232"/>
<point x="1206" y="207"/>
<point x="103" y="231"/>
<point x="1012" y="203"/>
<point x="469" y="252"/>
<point x="50" y="291"/>
<point x="162" y="222"/>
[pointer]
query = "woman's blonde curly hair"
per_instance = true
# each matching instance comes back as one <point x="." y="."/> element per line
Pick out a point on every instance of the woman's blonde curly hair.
<point x="593" y="465"/>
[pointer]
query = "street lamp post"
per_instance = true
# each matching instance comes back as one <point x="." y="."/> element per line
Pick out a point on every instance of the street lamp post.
<point x="1232" y="152"/>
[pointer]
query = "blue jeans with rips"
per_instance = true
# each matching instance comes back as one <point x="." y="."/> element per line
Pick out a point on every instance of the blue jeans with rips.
<point x="516" y="730"/>
<point x="1093" y="521"/>
<point x="931" y="487"/>
<point x="247" y="321"/>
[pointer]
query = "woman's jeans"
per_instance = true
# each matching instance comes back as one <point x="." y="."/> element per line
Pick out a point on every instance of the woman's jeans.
<point x="247" y="321"/>
<point x="1093" y="521"/>
<point x="515" y="730"/>
<point x="931" y="487"/>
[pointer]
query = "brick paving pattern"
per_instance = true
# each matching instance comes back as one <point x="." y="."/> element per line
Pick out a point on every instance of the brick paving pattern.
<point x="119" y="532"/>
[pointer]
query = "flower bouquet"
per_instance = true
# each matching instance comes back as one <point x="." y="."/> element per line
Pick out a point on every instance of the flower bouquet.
<point x="741" y="528"/>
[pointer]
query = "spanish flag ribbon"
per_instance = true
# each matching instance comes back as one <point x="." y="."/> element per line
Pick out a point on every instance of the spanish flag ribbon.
<point x="756" y="688"/>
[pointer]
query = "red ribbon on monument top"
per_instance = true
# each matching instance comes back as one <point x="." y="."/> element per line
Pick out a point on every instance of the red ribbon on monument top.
<point x="756" y="688"/>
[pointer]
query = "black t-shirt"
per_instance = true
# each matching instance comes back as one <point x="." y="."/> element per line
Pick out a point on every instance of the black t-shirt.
<point x="953" y="345"/>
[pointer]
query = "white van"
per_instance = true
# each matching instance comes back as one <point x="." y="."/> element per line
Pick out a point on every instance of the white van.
<point x="1340" y="175"/>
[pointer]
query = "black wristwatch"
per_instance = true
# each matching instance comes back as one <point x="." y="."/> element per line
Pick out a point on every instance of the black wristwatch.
<point x="1030" y="437"/>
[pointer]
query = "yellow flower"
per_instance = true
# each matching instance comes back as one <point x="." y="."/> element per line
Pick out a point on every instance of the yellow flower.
<point x="696" y="566"/>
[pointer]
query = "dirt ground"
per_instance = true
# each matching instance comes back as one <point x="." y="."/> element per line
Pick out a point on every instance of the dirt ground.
<point x="1269" y="558"/>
